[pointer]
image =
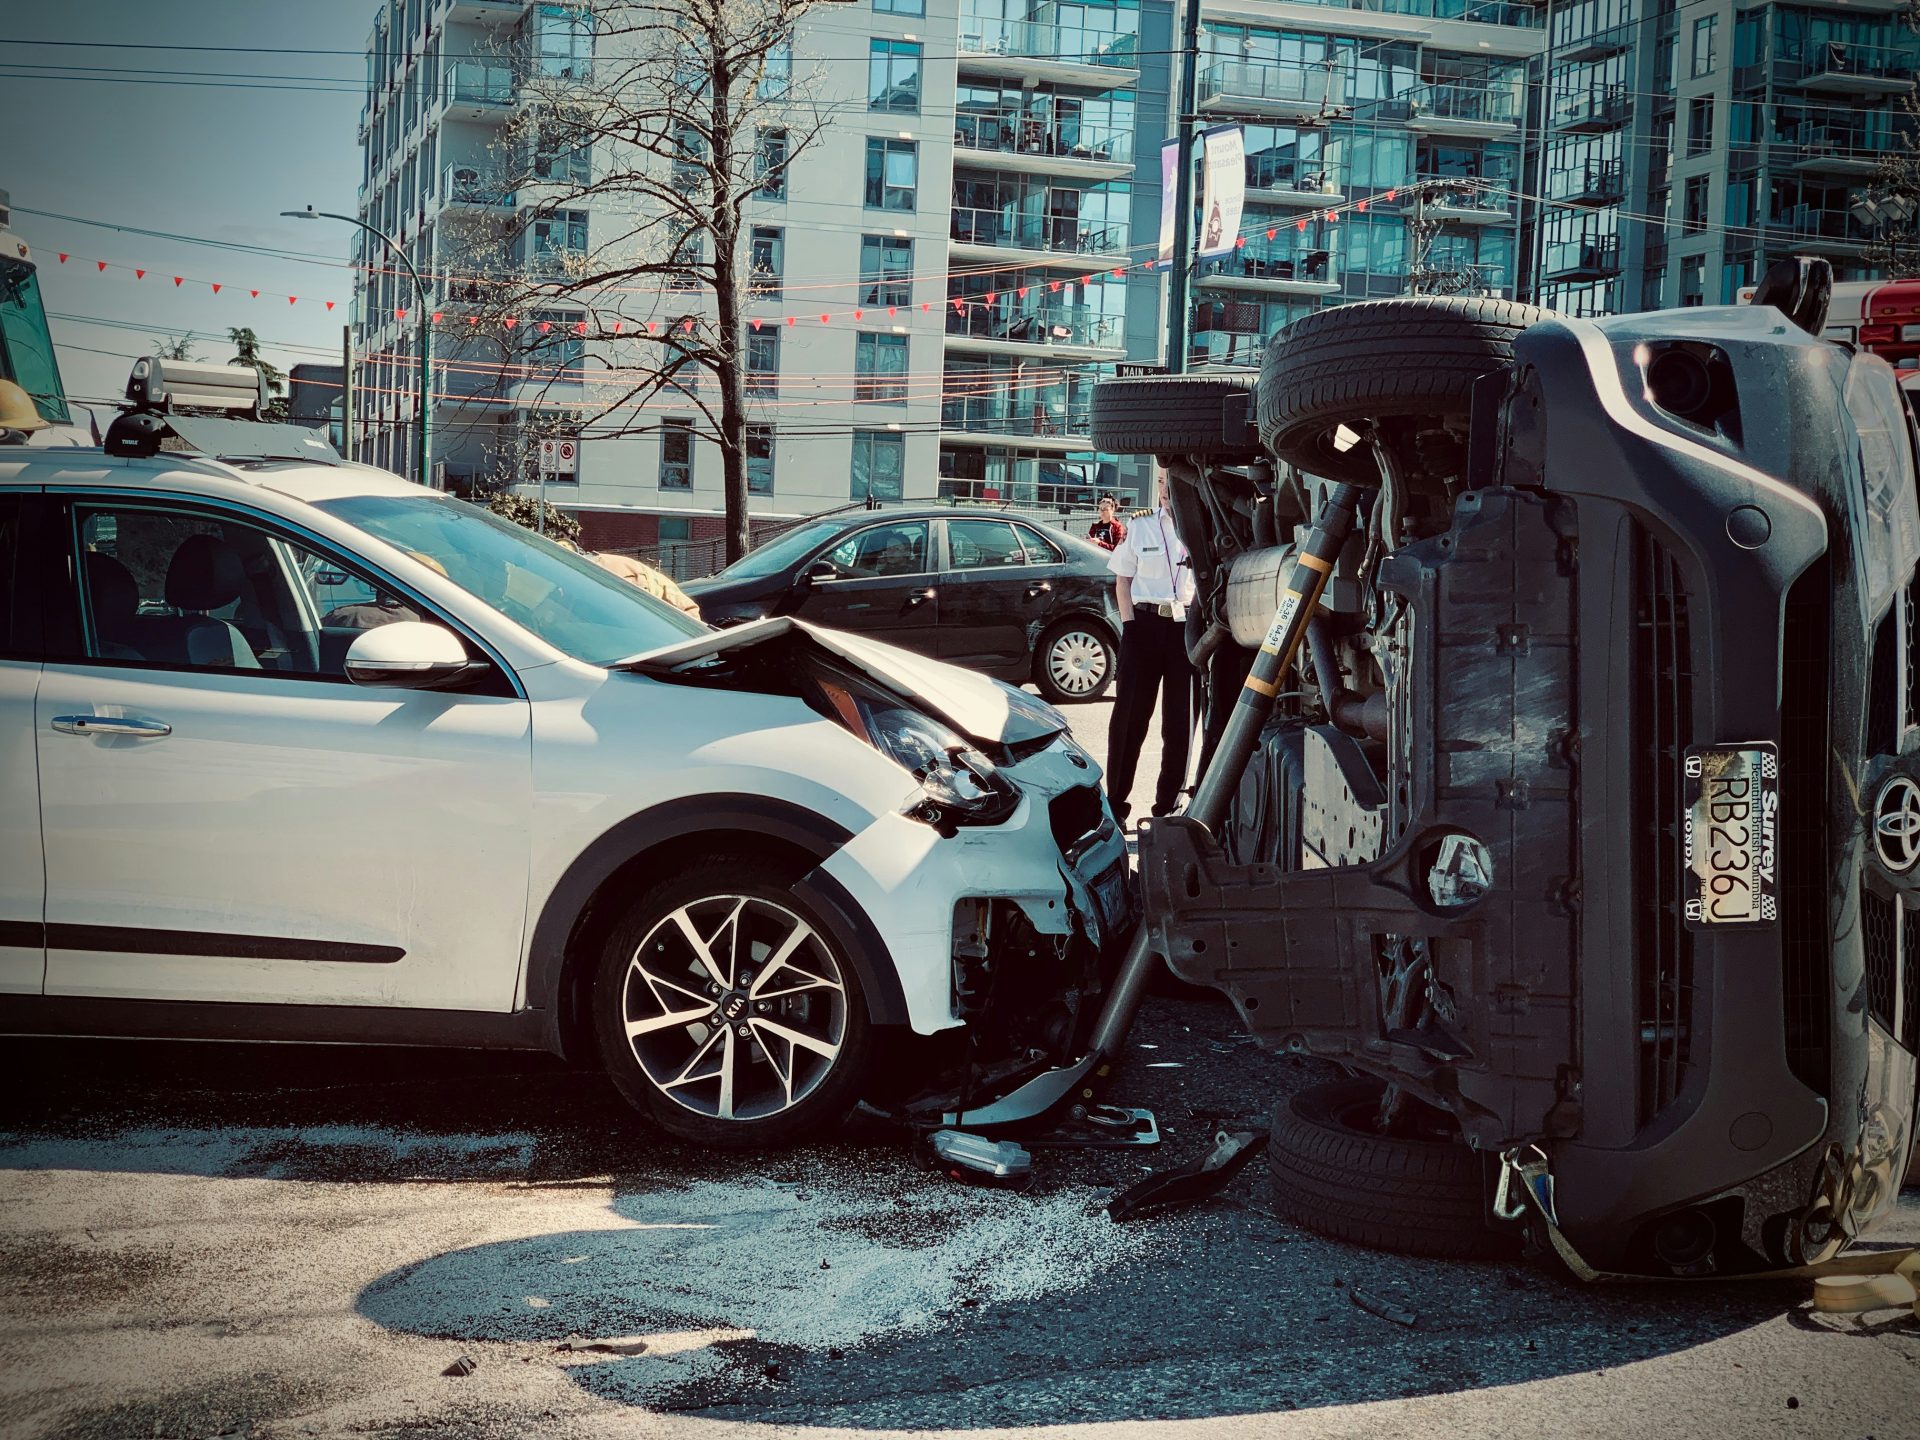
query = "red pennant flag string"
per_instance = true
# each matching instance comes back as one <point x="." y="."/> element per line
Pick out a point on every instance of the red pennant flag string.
<point x="216" y="288"/>
<point x="473" y="320"/>
<point x="1300" y="224"/>
<point x="892" y="311"/>
<point x="992" y="295"/>
<point x="293" y="299"/>
<point x="790" y="320"/>
<point x="1271" y="232"/>
<point x="1022" y="292"/>
<point x="925" y="305"/>
<point x="63" y="257"/>
<point x="1360" y="205"/>
<point x="616" y="327"/>
<point x="176" y="282"/>
<point x="823" y="319"/>
<point x="101" y="263"/>
<point x="399" y="314"/>
<point x="436" y="314"/>
<point x="756" y="323"/>
<point x="1239" y="242"/>
<point x="329" y="304"/>
<point x="511" y="321"/>
<point x="858" y="314"/>
<point x="546" y="326"/>
<point x="686" y="327"/>
<point x="579" y="326"/>
<point x="1053" y="286"/>
<point x="1119" y="272"/>
<point x="139" y="274"/>
<point x="254" y="293"/>
<point x="1391" y="194"/>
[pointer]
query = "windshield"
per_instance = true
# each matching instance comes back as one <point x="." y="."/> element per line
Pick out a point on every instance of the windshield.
<point x="779" y="554"/>
<point x="26" y="347"/>
<point x="564" y="598"/>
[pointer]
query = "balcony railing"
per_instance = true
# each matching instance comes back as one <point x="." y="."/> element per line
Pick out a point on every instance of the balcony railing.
<point x="1598" y="182"/>
<point x="1475" y="104"/>
<point x="1067" y="234"/>
<point x="1845" y="143"/>
<point x="1484" y="12"/>
<point x="1229" y="317"/>
<point x="1303" y="87"/>
<point x="1256" y="262"/>
<point x="1036" y="324"/>
<point x="1036" y="40"/>
<point x="1800" y="224"/>
<point x="468" y="82"/>
<point x="1022" y="415"/>
<point x="1025" y="133"/>
<point x="462" y="185"/>
<point x="1600" y="107"/>
<point x="1839" y="62"/>
<point x="1583" y="259"/>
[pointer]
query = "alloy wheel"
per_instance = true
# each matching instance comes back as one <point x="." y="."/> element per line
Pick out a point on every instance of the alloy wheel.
<point x="735" y="1008"/>
<point x="1077" y="662"/>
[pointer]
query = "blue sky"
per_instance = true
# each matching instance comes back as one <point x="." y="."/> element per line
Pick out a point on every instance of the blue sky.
<point x="201" y="158"/>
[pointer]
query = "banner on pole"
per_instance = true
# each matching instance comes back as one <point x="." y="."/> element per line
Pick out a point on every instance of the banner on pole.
<point x="1224" y="192"/>
<point x="1169" y="185"/>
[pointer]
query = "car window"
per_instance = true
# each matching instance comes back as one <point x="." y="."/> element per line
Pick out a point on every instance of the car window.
<point x="781" y="552"/>
<point x="897" y="549"/>
<point x="1040" y="550"/>
<point x="983" y="544"/>
<point x="204" y="590"/>
<point x="564" y="598"/>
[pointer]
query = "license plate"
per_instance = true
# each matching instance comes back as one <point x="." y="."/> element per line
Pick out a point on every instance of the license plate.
<point x="1729" y="836"/>
<point x="1110" y="893"/>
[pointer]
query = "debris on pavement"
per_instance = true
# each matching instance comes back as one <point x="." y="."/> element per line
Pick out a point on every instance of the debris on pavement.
<point x="1385" y="1309"/>
<point x="1198" y="1180"/>
<point x="631" y="1345"/>
<point x="963" y="1156"/>
<point x="465" y="1365"/>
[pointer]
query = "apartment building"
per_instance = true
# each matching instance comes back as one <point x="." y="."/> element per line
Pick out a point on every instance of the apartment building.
<point x="1688" y="145"/>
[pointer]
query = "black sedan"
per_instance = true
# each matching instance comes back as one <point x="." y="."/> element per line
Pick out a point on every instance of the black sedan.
<point x="987" y="591"/>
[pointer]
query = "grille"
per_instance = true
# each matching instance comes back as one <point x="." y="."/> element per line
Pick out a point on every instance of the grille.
<point x="1909" y="1032"/>
<point x="1662" y="720"/>
<point x="1883" y="683"/>
<point x="1805" y="929"/>
<point x="1073" y="814"/>
<point x="1879" y="922"/>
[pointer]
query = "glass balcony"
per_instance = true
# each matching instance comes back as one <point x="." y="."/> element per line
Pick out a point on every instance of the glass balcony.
<point x="1465" y="200"/>
<point x="1045" y="135"/>
<point x="990" y="37"/>
<point x="1837" y="69"/>
<point x="1816" y="229"/>
<point x="1028" y="416"/>
<point x="471" y="85"/>
<point x="1572" y="260"/>
<point x="1060" y="325"/>
<point x="1598" y="182"/>
<point x="1593" y="110"/>
<point x="1061" y="234"/>
<point x="1461" y="108"/>
<point x="1840" y="149"/>
<point x="1281" y="91"/>
<point x="1276" y="266"/>
<point x="461" y="186"/>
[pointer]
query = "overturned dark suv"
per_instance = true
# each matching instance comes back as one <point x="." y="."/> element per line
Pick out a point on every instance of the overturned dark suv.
<point x="1584" y="829"/>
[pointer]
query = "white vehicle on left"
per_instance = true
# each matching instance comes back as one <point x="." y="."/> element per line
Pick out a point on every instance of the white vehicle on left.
<point x="291" y="749"/>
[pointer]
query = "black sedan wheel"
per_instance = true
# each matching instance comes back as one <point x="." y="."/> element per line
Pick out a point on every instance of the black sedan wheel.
<point x="1075" y="662"/>
<point x="726" y="1011"/>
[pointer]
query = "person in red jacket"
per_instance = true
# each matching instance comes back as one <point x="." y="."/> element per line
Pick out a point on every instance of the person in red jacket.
<point x="1109" y="531"/>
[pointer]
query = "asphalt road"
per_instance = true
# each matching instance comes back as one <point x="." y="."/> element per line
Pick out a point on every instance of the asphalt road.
<point x="207" y="1240"/>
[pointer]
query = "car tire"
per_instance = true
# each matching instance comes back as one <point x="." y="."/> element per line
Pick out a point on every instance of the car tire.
<point x="1210" y="416"/>
<point x="1375" y="360"/>
<point x="1415" y="1195"/>
<point x="799" y="1068"/>
<point x="1074" y="662"/>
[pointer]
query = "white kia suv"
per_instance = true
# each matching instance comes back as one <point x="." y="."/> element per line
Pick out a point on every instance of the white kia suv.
<point x="293" y="750"/>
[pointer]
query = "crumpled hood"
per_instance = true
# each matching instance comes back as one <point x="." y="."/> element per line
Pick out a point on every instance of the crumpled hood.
<point x="983" y="710"/>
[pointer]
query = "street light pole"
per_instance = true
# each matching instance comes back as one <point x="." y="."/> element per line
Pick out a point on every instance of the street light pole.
<point x="424" y="471"/>
<point x="1178" y="289"/>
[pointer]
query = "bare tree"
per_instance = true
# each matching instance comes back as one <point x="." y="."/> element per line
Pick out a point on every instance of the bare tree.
<point x="1893" y="199"/>
<point x="685" y="111"/>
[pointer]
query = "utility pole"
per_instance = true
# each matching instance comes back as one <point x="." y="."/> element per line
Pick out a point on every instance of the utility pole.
<point x="1178" y="287"/>
<point x="346" y="391"/>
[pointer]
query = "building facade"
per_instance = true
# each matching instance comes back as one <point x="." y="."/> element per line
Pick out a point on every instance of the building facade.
<point x="1689" y="145"/>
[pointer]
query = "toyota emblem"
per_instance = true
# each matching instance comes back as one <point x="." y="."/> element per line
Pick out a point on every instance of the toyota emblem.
<point x="1896" y="823"/>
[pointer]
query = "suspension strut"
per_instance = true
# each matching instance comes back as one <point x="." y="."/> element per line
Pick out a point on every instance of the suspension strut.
<point x="1312" y="565"/>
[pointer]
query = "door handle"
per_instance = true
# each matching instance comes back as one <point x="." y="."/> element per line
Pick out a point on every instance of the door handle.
<point x="110" y="725"/>
<point x="920" y="597"/>
<point x="1039" y="587"/>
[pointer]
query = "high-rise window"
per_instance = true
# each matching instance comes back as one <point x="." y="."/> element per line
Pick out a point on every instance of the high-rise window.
<point x="893" y="76"/>
<point x="560" y="42"/>
<point x="1694" y="216"/>
<point x="893" y="170"/>
<point x="763" y="362"/>
<point x="1700" y="125"/>
<point x="776" y="76"/>
<point x="880" y="367"/>
<point x="1704" y="30"/>
<point x="900" y="7"/>
<point x="886" y="270"/>
<point x="1693" y="280"/>
<point x="553" y="342"/>
<point x="676" y="454"/>
<point x="770" y="164"/>
<point x="558" y="236"/>
<point x="879" y="462"/>
<point x="766" y="259"/>
<point x="759" y="459"/>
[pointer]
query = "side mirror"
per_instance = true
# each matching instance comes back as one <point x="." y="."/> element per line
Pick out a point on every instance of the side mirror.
<point x="821" y="570"/>
<point x="410" y="655"/>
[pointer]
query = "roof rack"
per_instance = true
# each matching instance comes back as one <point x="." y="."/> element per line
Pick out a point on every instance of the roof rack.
<point x="160" y="391"/>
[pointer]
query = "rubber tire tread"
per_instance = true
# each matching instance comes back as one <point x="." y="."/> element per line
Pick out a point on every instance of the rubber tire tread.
<point x="1376" y="359"/>
<point x="1043" y="682"/>
<point x="1412" y="1197"/>
<point x="1201" y="415"/>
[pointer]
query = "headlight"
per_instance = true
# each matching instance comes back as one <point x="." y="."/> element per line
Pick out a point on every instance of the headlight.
<point x="958" y="785"/>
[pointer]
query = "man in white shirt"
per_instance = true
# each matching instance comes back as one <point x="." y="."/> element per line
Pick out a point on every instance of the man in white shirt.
<point x="1153" y="586"/>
